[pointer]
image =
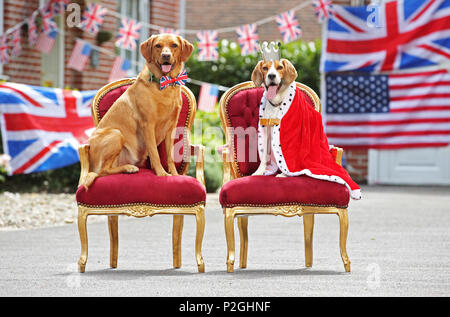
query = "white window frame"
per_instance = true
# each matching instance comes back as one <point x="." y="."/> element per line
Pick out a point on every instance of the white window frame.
<point x="140" y="11"/>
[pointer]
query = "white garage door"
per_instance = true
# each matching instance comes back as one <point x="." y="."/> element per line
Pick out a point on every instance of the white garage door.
<point x="425" y="166"/>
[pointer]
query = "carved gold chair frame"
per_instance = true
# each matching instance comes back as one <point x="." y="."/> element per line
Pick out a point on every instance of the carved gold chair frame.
<point x="231" y="170"/>
<point x="144" y="210"/>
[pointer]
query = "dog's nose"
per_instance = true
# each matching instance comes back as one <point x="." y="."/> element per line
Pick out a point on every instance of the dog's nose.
<point x="271" y="76"/>
<point x="165" y="56"/>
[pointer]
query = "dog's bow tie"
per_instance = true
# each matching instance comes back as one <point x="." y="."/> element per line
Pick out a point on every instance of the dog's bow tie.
<point x="179" y="80"/>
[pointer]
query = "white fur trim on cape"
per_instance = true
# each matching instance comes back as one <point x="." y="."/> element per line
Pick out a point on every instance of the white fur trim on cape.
<point x="276" y="148"/>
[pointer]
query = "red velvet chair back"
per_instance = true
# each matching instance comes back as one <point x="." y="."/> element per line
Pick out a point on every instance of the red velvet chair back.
<point x="239" y="111"/>
<point x="108" y="94"/>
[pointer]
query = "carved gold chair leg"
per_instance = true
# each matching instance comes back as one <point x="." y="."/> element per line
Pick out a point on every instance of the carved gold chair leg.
<point x="200" y="217"/>
<point x="113" y="227"/>
<point x="229" y="232"/>
<point x="343" y="221"/>
<point x="178" y="221"/>
<point x="243" y="234"/>
<point x="308" y="224"/>
<point x="82" y="220"/>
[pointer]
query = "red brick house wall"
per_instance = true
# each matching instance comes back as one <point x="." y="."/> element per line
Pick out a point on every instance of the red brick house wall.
<point x="27" y="67"/>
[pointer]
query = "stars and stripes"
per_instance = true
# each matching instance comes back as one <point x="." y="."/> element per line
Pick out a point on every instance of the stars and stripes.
<point x="413" y="33"/>
<point x="208" y="97"/>
<point x="32" y="29"/>
<point x="248" y="39"/>
<point x="42" y="128"/>
<point x="45" y="42"/>
<point x="128" y="34"/>
<point x="388" y="111"/>
<point x="93" y="18"/>
<point x="208" y="45"/>
<point x="288" y="25"/>
<point x="323" y="9"/>
<point x="180" y="80"/>
<point x="119" y="69"/>
<point x="80" y="55"/>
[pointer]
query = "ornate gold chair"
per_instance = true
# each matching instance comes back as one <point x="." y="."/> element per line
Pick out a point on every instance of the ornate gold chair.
<point x="243" y="195"/>
<point x="145" y="194"/>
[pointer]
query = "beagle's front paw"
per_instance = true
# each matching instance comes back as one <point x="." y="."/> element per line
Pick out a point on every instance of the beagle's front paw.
<point x="281" y="175"/>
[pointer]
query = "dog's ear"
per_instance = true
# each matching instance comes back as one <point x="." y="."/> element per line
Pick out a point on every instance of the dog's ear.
<point x="146" y="48"/>
<point x="290" y="74"/>
<point x="257" y="75"/>
<point x="186" y="49"/>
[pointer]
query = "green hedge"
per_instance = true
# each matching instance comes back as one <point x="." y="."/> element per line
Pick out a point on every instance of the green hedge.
<point x="230" y="69"/>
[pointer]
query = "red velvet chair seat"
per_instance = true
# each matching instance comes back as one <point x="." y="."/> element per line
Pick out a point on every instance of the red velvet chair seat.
<point x="271" y="190"/>
<point x="143" y="187"/>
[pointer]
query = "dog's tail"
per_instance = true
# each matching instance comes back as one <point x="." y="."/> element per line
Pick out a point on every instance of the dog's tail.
<point x="89" y="179"/>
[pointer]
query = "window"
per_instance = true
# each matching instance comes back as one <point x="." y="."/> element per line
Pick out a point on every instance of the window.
<point x="140" y="11"/>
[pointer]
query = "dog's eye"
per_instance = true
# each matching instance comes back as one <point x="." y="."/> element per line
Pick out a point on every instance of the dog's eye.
<point x="158" y="46"/>
<point x="265" y="68"/>
<point x="174" y="45"/>
<point x="280" y="67"/>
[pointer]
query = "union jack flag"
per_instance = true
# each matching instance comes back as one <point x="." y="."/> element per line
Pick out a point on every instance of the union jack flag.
<point x="180" y="80"/>
<point x="48" y="24"/>
<point x="32" y="29"/>
<point x="93" y="18"/>
<point x="323" y="9"/>
<point x="128" y="34"/>
<point x="42" y="128"/>
<point x="16" y="47"/>
<point x="208" y="45"/>
<point x="288" y="26"/>
<point x="248" y="39"/>
<point x="4" y="49"/>
<point x="58" y="6"/>
<point x="169" y="31"/>
<point x="411" y="33"/>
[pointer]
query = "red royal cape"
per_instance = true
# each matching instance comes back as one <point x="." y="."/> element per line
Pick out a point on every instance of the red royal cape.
<point x="300" y="145"/>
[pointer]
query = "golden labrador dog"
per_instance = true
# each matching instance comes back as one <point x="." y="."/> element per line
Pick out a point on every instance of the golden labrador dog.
<point x="276" y="76"/>
<point x="143" y="117"/>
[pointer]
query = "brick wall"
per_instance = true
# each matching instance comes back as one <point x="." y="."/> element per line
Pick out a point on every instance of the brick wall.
<point x="25" y="68"/>
<point x="165" y="13"/>
<point x="91" y="77"/>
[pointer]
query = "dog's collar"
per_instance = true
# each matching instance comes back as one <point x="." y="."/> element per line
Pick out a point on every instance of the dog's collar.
<point x="151" y="76"/>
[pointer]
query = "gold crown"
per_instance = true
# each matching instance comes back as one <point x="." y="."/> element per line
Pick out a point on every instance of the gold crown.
<point x="271" y="51"/>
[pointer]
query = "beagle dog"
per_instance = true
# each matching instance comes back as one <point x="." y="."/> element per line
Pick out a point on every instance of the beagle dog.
<point x="144" y="116"/>
<point x="276" y="77"/>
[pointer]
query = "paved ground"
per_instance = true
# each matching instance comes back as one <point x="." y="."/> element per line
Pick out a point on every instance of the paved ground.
<point x="399" y="245"/>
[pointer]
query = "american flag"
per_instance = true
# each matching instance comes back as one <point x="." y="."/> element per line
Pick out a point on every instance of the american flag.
<point x="93" y="18"/>
<point x="16" y="38"/>
<point x="128" y="34"/>
<point x="80" y="55"/>
<point x="208" y="45"/>
<point x="388" y="111"/>
<point x="42" y="128"/>
<point x="48" y="24"/>
<point x="248" y="39"/>
<point x="45" y="42"/>
<point x="32" y="29"/>
<point x="4" y="49"/>
<point x="412" y="33"/>
<point x="164" y="30"/>
<point x="208" y="97"/>
<point x="288" y="26"/>
<point x="119" y="69"/>
<point x="323" y="9"/>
